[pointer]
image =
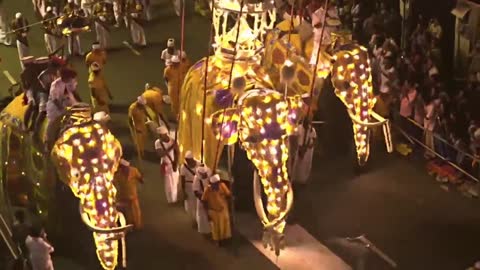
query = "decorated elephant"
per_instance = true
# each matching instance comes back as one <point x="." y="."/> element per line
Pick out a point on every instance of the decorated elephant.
<point x="261" y="122"/>
<point x="344" y="60"/>
<point x="84" y="158"/>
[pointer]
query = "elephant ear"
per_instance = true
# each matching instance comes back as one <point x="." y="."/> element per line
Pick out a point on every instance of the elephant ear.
<point x="224" y="124"/>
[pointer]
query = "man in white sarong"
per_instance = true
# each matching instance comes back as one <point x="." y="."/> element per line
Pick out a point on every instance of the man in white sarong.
<point x="136" y="26"/>
<point x="168" y="151"/>
<point x="187" y="175"/>
<point x="332" y="22"/>
<point x="101" y="26"/>
<point x="304" y="154"/>
<point x="200" y="183"/>
<point x="51" y="32"/>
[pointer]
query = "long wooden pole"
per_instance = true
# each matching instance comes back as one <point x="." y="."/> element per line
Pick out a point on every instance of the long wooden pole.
<point x="312" y="87"/>
<point x="229" y="83"/>
<point x="205" y="82"/>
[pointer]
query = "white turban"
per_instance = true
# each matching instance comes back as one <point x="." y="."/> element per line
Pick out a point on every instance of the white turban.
<point x="101" y="117"/>
<point x="433" y="71"/>
<point x="141" y="100"/>
<point x="96" y="46"/>
<point x="162" y="130"/>
<point x="189" y="155"/>
<point x="124" y="162"/>
<point x="167" y="99"/>
<point x="18" y="15"/>
<point x="49" y="8"/>
<point x="476" y="134"/>
<point x="170" y="42"/>
<point x="215" y="179"/>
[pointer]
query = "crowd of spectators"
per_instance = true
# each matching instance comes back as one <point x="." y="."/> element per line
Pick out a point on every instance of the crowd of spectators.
<point x="413" y="85"/>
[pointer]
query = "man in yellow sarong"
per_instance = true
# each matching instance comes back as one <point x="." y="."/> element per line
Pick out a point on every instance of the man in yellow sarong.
<point x="174" y="79"/>
<point x="155" y="101"/>
<point x="99" y="91"/>
<point x="96" y="55"/>
<point x="137" y="117"/>
<point x="216" y="199"/>
<point x="126" y="179"/>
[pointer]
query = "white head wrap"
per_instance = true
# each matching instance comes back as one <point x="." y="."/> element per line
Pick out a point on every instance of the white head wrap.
<point x="101" y="117"/>
<point x="49" y="8"/>
<point x="141" y="100"/>
<point x="96" y="46"/>
<point x="189" y="155"/>
<point x="433" y="71"/>
<point x="215" y="179"/>
<point x="124" y="162"/>
<point x="162" y="130"/>
<point x="166" y="99"/>
<point x="18" y="15"/>
<point x="170" y="42"/>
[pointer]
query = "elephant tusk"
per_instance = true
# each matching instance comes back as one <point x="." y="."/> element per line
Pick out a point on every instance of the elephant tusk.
<point x="96" y="229"/>
<point x="358" y="121"/>
<point x="257" y="198"/>
<point x="259" y="204"/>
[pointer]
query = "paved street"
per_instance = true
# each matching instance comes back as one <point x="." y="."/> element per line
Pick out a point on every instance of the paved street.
<point x="394" y="202"/>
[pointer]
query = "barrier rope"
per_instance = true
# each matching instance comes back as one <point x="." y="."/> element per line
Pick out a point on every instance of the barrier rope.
<point x="205" y="80"/>
<point x="229" y="84"/>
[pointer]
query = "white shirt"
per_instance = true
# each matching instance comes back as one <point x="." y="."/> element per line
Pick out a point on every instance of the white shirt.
<point x="39" y="253"/>
<point x="167" y="57"/>
<point x="197" y="186"/>
<point x="57" y="91"/>
<point x="166" y="146"/>
<point x="187" y="174"/>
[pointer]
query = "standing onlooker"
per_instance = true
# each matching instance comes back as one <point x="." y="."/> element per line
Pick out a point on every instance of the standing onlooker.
<point x="429" y="124"/>
<point x="39" y="249"/>
<point x="407" y="102"/>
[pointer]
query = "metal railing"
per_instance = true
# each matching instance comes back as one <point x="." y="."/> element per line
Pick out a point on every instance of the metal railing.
<point x="457" y="157"/>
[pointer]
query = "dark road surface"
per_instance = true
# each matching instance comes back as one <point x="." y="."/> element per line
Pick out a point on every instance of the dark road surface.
<point x="394" y="202"/>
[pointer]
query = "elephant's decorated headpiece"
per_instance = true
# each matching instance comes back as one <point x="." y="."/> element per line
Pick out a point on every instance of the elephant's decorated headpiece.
<point x="86" y="156"/>
<point x="262" y="120"/>
<point x="251" y="20"/>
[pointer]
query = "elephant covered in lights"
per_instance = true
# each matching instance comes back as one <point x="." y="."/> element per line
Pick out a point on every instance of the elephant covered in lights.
<point x="261" y="122"/>
<point x="192" y="94"/>
<point x="345" y="61"/>
<point x="85" y="157"/>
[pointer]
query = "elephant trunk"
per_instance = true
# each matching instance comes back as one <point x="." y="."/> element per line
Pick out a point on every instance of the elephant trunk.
<point x="270" y="158"/>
